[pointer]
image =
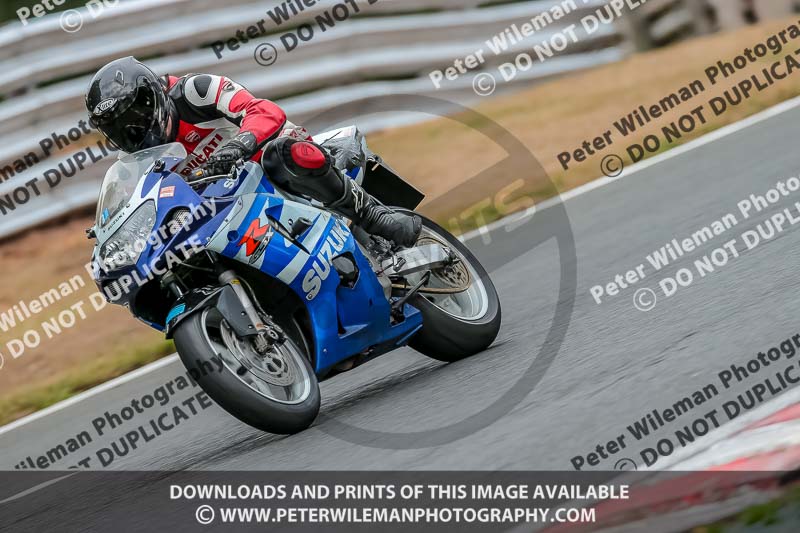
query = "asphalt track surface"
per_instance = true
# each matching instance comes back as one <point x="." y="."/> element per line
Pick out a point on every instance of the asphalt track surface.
<point x="615" y="365"/>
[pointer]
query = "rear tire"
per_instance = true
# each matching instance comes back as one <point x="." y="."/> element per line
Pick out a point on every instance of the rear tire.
<point x="444" y="335"/>
<point x="193" y="340"/>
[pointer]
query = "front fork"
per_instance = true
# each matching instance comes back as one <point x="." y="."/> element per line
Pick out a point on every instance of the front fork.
<point x="254" y="324"/>
<point x="248" y="321"/>
<point x="235" y="301"/>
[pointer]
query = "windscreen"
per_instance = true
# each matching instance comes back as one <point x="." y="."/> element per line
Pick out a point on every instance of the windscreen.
<point x="123" y="176"/>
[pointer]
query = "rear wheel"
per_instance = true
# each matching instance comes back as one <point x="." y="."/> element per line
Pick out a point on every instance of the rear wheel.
<point x="274" y="390"/>
<point x="459" y="304"/>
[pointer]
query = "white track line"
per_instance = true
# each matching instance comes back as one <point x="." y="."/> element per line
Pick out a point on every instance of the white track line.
<point x="35" y="489"/>
<point x="107" y="386"/>
<point x="578" y="191"/>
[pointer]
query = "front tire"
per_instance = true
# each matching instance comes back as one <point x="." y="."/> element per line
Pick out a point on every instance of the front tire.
<point x="460" y="325"/>
<point x="277" y="393"/>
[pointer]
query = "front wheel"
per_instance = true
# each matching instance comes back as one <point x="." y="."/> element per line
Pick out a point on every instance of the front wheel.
<point x="272" y="390"/>
<point x="459" y="304"/>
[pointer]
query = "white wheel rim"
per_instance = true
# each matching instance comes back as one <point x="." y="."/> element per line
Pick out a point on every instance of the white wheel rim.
<point x="469" y="305"/>
<point x="258" y="373"/>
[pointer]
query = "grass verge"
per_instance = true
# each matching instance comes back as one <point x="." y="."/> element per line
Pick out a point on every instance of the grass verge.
<point x="79" y="380"/>
<point x="782" y="514"/>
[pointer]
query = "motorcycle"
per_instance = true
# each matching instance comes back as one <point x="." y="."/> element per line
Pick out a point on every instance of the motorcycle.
<point x="273" y="290"/>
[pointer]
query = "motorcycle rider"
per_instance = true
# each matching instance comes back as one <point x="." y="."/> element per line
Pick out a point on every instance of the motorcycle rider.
<point x="136" y="109"/>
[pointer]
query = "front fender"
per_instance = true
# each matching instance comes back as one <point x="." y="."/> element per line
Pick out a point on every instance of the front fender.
<point x="223" y="298"/>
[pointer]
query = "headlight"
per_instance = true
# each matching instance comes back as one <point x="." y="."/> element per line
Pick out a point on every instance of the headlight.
<point x="126" y="245"/>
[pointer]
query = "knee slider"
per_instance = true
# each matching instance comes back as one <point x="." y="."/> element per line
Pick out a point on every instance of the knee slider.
<point x="302" y="167"/>
<point x="308" y="156"/>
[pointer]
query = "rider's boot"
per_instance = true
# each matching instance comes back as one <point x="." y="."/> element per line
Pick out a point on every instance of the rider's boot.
<point x="304" y="167"/>
<point x="373" y="217"/>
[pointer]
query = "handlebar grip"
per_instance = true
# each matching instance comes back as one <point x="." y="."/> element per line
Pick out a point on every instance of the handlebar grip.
<point x="198" y="174"/>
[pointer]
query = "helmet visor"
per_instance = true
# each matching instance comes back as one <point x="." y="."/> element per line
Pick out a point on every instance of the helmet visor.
<point x="132" y="129"/>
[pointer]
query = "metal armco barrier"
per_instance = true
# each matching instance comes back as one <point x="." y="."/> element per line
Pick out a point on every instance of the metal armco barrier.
<point x="390" y="51"/>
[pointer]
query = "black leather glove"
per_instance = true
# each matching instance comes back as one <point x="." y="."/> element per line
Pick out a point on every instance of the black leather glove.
<point x="347" y="152"/>
<point x="347" y="158"/>
<point x="243" y="146"/>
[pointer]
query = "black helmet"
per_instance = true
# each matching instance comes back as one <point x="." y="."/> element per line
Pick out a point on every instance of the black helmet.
<point x="127" y="102"/>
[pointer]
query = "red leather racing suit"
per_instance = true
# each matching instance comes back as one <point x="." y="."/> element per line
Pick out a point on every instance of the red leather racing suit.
<point x="200" y="98"/>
